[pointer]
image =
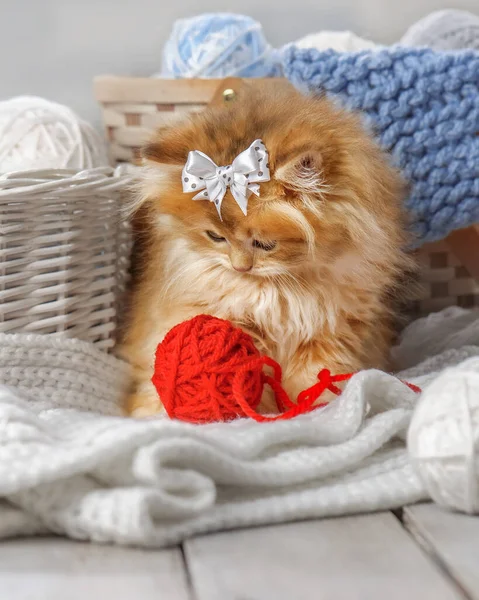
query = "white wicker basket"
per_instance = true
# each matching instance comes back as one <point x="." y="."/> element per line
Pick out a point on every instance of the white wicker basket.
<point x="64" y="253"/>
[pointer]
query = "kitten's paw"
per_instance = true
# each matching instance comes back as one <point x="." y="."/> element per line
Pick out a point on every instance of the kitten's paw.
<point x="268" y="405"/>
<point x="140" y="405"/>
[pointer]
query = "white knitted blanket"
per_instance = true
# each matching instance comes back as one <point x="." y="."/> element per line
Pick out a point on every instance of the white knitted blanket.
<point x="70" y="464"/>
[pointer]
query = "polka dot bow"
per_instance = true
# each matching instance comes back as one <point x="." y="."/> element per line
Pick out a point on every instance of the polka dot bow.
<point x="202" y="175"/>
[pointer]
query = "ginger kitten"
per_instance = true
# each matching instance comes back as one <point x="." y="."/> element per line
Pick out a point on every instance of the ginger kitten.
<point x="311" y="271"/>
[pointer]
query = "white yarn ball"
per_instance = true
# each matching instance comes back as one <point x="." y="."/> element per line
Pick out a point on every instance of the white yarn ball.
<point x="443" y="437"/>
<point x="341" y="41"/>
<point x="448" y="29"/>
<point x="215" y="45"/>
<point x="38" y="134"/>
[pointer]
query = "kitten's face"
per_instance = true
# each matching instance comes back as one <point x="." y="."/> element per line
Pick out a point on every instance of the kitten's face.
<point x="331" y="197"/>
<point x="264" y="243"/>
<point x="281" y="234"/>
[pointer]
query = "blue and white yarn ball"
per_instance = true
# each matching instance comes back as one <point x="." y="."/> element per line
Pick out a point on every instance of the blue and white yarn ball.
<point x="218" y="45"/>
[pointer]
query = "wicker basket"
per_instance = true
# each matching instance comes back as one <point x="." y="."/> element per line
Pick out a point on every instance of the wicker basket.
<point x="449" y="273"/>
<point x="133" y="107"/>
<point x="64" y="253"/>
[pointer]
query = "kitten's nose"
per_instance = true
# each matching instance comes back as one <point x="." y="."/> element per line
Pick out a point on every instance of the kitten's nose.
<point x="241" y="259"/>
<point x="243" y="269"/>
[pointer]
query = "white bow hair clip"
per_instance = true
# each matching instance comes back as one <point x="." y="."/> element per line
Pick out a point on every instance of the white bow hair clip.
<point x="243" y="176"/>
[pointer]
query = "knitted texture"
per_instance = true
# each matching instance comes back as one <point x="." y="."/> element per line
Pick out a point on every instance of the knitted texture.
<point x="68" y="373"/>
<point x="444" y="30"/>
<point x="102" y="478"/>
<point x="423" y="106"/>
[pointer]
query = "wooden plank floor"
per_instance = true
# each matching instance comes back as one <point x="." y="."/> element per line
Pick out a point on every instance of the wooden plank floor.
<point x="57" y="569"/>
<point x="366" y="557"/>
<point x="452" y="538"/>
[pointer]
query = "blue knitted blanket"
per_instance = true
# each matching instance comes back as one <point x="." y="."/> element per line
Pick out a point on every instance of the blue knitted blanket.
<point x="424" y="108"/>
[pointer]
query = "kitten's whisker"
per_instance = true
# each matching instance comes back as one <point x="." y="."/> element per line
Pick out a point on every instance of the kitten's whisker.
<point x="195" y="273"/>
<point x="301" y="281"/>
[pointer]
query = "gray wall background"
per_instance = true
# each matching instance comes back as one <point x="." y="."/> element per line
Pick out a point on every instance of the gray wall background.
<point x="53" y="48"/>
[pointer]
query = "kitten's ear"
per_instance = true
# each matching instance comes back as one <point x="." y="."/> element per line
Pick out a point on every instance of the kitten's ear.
<point x="169" y="145"/>
<point x="302" y="173"/>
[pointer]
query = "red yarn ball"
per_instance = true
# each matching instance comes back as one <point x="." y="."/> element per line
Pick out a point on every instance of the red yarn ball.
<point x="198" y="364"/>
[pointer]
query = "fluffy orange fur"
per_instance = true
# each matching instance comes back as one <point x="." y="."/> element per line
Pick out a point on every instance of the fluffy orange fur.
<point x="311" y="271"/>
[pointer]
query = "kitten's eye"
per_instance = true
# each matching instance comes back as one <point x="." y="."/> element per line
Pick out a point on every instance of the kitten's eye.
<point x="215" y="237"/>
<point x="267" y="246"/>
